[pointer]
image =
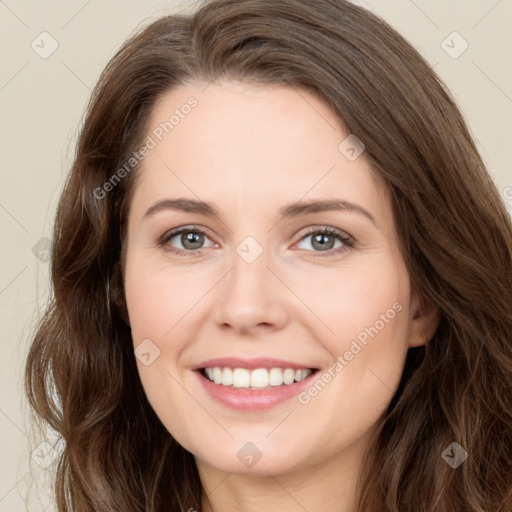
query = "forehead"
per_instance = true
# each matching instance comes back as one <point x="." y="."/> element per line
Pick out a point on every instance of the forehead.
<point x="243" y="143"/>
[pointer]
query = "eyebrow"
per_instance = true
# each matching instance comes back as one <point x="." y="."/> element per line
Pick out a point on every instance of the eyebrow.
<point x="297" y="209"/>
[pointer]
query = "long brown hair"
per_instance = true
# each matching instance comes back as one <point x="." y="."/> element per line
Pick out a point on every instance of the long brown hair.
<point x="454" y="231"/>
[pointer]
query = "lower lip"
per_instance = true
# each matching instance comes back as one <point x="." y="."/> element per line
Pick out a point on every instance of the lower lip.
<point x="251" y="400"/>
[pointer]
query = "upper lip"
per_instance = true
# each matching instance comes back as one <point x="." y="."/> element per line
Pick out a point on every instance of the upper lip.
<point x="250" y="364"/>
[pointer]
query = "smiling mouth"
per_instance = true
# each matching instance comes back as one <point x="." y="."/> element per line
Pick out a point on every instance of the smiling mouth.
<point x="256" y="379"/>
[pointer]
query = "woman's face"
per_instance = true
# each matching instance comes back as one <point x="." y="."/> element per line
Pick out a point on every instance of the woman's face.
<point x="255" y="289"/>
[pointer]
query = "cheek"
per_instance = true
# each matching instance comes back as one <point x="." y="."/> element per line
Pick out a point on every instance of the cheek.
<point x="362" y="301"/>
<point x="149" y="303"/>
<point x="158" y="300"/>
<point x="364" y="315"/>
<point x="159" y="297"/>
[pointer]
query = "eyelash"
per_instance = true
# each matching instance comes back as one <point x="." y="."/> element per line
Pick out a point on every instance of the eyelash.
<point x="347" y="240"/>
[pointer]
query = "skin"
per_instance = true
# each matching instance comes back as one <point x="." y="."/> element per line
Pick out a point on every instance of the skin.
<point x="249" y="150"/>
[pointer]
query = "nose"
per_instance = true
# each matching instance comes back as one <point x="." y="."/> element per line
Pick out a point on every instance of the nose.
<point x="251" y="298"/>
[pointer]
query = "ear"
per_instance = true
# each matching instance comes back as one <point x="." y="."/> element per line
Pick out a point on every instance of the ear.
<point x="117" y="293"/>
<point x="424" y="322"/>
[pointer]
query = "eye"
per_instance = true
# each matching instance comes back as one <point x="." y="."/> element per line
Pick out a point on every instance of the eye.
<point x="190" y="238"/>
<point x="324" y="241"/>
<point x="193" y="238"/>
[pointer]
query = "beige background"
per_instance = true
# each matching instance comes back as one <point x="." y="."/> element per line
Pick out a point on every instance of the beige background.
<point x="42" y="101"/>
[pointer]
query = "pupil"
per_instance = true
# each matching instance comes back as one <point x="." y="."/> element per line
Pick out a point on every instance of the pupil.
<point x="320" y="239"/>
<point x="189" y="238"/>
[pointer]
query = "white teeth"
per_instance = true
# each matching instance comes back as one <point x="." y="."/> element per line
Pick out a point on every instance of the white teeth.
<point x="288" y="376"/>
<point x="217" y="375"/>
<point x="241" y="378"/>
<point x="275" y="376"/>
<point x="255" y="379"/>
<point x="227" y="376"/>
<point x="259" y="378"/>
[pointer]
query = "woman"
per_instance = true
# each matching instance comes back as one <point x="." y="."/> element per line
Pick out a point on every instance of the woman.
<point x="282" y="276"/>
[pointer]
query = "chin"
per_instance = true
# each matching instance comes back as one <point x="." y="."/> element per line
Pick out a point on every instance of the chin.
<point x="254" y="458"/>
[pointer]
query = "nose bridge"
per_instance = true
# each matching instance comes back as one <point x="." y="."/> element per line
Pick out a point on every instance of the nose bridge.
<point x="250" y="274"/>
<point x="250" y="294"/>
